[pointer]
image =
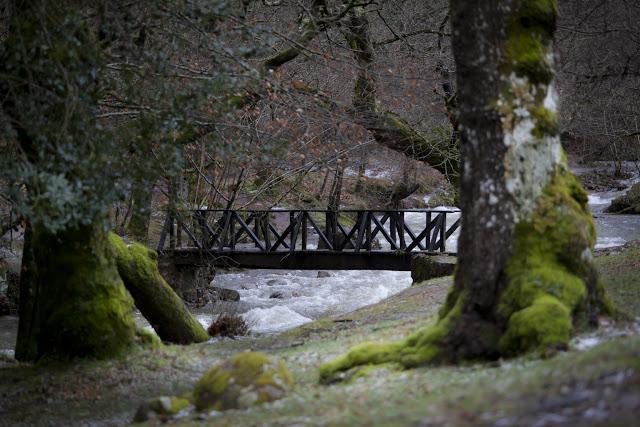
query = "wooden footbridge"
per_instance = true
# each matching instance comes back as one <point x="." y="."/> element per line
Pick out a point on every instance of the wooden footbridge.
<point x="306" y="239"/>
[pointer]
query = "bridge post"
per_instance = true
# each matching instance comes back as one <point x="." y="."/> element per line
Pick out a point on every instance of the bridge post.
<point x="443" y="232"/>
<point x="428" y="236"/>
<point x="304" y="214"/>
<point x="400" y="225"/>
<point x="368" y="230"/>
<point x="292" y="236"/>
<point x="265" y="227"/>
<point x="392" y="227"/>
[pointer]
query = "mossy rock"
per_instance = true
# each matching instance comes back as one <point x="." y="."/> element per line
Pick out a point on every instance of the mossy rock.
<point x="628" y="203"/>
<point x="160" y="408"/>
<point x="426" y="267"/>
<point x="245" y="380"/>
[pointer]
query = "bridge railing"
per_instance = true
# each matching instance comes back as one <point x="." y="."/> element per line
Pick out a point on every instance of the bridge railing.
<point x="309" y="230"/>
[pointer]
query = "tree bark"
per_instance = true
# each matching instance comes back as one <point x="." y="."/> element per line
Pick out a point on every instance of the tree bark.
<point x="73" y="302"/>
<point x="525" y="278"/>
<point x="156" y="300"/>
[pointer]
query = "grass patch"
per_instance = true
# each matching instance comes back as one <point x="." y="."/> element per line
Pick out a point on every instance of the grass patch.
<point x="620" y="273"/>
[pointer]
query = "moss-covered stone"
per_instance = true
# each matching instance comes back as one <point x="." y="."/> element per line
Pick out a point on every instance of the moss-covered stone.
<point x="245" y="380"/>
<point x="161" y="408"/>
<point x="157" y="301"/>
<point x="424" y="267"/>
<point x="628" y="203"/>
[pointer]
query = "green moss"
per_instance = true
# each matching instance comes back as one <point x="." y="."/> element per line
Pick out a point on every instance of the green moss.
<point x="550" y="275"/>
<point x="157" y="301"/>
<point x="421" y="347"/>
<point x="545" y="324"/>
<point x="546" y="122"/>
<point x="540" y="14"/>
<point x="244" y="380"/>
<point x="529" y="40"/>
<point x="84" y="308"/>
<point x="527" y="55"/>
<point x="364" y="354"/>
<point x="169" y="405"/>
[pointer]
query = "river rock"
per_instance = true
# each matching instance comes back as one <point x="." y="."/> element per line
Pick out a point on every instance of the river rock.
<point x="322" y="274"/>
<point x="223" y="294"/>
<point x="425" y="267"/>
<point x="628" y="203"/>
<point x="276" y="282"/>
<point x="247" y="379"/>
<point x="277" y="295"/>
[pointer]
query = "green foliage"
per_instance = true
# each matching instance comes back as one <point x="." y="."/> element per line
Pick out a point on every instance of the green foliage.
<point x="246" y="379"/>
<point x="99" y="98"/>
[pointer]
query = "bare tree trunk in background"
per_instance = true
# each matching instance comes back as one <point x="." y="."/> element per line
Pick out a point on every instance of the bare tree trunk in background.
<point x="387" y="128"/>
<point x="525" y="278"/>
<point x="138" y="227"/>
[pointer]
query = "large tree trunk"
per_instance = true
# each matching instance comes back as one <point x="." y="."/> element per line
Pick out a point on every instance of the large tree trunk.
<point x="525" y="276"/>
<point x="75" y="304"/>
<point x="157" y="301"/>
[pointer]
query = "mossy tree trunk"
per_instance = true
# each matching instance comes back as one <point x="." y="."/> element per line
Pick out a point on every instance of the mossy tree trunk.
<point x="77" y="305"/>
<point x="525" y="278"/>
<point x="159" y="304"/>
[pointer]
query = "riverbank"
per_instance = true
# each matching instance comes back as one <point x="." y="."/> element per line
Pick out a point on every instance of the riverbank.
<point x="596" y="382"/>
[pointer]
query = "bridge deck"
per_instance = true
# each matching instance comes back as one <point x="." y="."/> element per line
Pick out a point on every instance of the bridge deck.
<point x="297" y="260"/>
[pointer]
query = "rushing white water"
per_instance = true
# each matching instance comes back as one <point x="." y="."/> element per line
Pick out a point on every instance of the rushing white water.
<point x="302" y="296"/>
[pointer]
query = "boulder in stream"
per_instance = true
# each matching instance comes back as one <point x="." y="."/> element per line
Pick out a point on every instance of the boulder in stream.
<point x="224" y="294"/>
<point x="628" y="203"/>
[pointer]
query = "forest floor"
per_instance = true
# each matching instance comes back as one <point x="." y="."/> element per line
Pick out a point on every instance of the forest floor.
<point x="599" y="385"/>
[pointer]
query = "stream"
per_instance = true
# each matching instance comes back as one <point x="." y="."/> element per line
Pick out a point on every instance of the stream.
<point x="303" y="296"/>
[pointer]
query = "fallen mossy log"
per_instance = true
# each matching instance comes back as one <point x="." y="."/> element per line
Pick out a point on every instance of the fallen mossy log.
<point x="153" y="296"/>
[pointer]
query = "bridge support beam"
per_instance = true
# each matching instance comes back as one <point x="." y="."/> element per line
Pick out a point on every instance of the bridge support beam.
<point x="190" y="281"/>
<point x="425" y="267"/>
<point x="442" y="265"/>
